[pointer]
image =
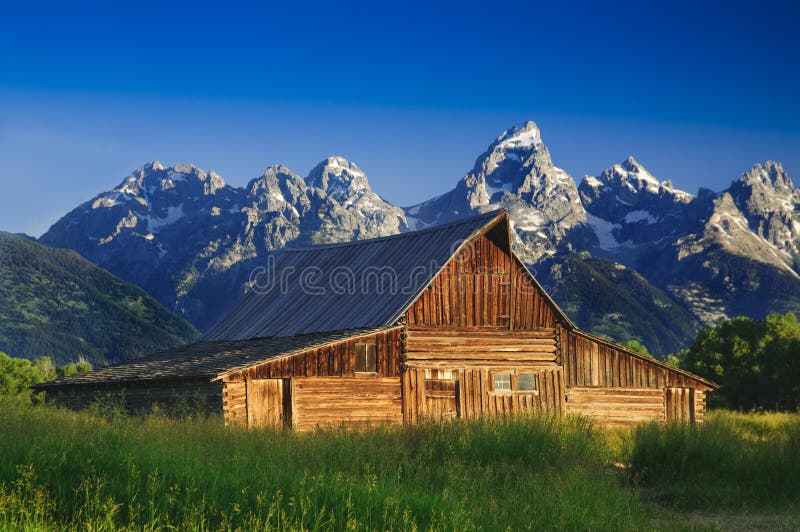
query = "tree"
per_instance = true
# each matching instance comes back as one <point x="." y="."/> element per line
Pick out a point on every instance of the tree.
<point x="636" y="345"/>
<point x="755" y="362"/>
<point x="16" y="377"/>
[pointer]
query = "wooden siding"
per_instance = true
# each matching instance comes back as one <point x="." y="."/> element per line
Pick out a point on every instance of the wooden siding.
<point x="531" y="307"/>
<point x="140" y="398"/>
<point x="681" y="404"/>
<point x="593" y="362"/>
<point x="234" y="403"/>
<point x="469" y="393"/>
<point x="333" y="360"/>
<point x="472" y="290"/>
<point x="615" y="405"/>
<point x="483" y="286"/>
<point x="321" y="401"/>
<point x="458" y="347"/>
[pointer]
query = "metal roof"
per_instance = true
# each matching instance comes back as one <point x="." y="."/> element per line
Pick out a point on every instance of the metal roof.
<point x="365" y="283"/>
<point x="204" y="359"/>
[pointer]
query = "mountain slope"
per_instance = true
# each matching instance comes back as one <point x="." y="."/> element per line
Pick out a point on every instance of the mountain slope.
<point x="614" y="301"/>
<point x="55" y="303"/>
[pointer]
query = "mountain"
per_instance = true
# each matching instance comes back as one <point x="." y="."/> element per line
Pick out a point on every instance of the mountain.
<point x="668" y="261"/>
<point x="189" y="239"/>
<point x="55" y="303"/>
<point x="766" y="197"/>
<point x="516" y="173"/>
<point x="615" y="301"/>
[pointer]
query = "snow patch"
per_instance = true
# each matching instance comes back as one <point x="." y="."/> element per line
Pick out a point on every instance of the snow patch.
<point x="173" y="215"/>
<point x="592" y="181"/>
<point x="491" y="190"/>
<point x="639" y="216"/>
<point x="604" y="231"/>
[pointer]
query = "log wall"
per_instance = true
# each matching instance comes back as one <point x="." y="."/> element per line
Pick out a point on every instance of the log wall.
<point x="616" y="405"/>
<point x="450" y="373"/>
<point x="331" y="401"/>
<point x="327" y="364"/>
<point x="432" y="347"/>
<point x="469" y="393"/>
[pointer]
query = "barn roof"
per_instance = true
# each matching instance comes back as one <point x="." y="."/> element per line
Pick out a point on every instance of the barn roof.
<point x="204" y="359"/>
<point x="387" y="275"/>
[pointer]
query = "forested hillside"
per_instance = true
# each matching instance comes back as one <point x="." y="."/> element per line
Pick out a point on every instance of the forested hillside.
<point x="55" y="303"/>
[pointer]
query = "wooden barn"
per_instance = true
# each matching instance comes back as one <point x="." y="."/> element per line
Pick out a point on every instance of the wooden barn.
<point x="429" y="325"/>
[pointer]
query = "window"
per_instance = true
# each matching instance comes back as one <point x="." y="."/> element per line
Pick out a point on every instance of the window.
<point x="502" y="381"/>
<point x="366" y="359"/>
<point x="526" y="382"/>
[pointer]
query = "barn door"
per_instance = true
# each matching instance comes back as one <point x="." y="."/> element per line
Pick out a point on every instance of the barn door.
<point x="680" y="404"/>
<point x="265" y="403"/>
<point x="441" y="399"/>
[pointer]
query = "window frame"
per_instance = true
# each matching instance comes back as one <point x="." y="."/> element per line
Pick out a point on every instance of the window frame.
<point x="514" y="382"/>
<point x="510" y="382"/>
<point x="365" y="358"/>
<point x="526" y="390"/>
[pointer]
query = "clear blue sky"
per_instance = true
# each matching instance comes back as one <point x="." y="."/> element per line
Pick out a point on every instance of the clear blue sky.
<point x="411" y="93"/>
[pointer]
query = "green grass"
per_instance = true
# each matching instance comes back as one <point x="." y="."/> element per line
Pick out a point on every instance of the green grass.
<point x="734" y="461"/>
<point x="67" y="470"/>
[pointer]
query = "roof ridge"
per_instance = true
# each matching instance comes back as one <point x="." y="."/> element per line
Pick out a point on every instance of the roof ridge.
<point x="468" y="219"/>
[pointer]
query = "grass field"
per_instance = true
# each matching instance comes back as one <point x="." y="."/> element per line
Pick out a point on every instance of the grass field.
<point x="64" y="470"/>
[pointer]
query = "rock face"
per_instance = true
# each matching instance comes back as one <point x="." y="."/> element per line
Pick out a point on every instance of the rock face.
<point x="628" y="207"/>
<point x="191" y="240"/>
<point x="768" y="200"/>
<point x="516" y="173"/>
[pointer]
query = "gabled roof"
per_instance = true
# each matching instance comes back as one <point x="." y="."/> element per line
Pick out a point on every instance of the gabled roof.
<point x="317" y="296"/>
<point x="203" y="359"/>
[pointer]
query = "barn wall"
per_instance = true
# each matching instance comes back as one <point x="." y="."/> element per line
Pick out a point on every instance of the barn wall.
<point x="334" y="360"/>
<point x="592" y="362"/>
<point x="234" y="403"/>
<point x="449" y="373"/>
<point x="173" y="397"/>
<point x="333" y="401"/>
<point x="482" y="287"/>
<point x="531" y="309"/>
<point x="326" y="365"/>
<point x="438" y="394"/>
<point x="616" y="405"/>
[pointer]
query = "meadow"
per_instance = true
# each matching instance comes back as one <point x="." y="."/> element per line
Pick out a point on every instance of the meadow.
<point x="66" y="470"/>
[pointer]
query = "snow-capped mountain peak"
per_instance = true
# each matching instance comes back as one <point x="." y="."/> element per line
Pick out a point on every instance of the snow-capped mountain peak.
<point x="341" y="179"/>
<point x="520" y="137"/>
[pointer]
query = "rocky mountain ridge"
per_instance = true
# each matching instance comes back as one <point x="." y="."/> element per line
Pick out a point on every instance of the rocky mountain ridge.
<point x="191" y="240"/>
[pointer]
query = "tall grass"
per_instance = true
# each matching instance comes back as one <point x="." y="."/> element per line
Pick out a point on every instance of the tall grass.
<point x="66" y="470"/>
<point x="733" y="461"/>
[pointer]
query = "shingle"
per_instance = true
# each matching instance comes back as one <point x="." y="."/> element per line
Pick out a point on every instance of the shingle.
<point x="203" y="359"/>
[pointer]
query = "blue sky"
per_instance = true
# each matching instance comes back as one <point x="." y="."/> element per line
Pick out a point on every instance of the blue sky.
<point x="410" y="92"/>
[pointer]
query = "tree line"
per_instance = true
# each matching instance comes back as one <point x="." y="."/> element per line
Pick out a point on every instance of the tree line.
<point x="755" y="362"/>
<point x="17" y="375"/>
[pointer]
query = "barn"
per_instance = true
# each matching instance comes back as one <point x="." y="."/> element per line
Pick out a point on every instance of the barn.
<point x="436" y="324"/>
